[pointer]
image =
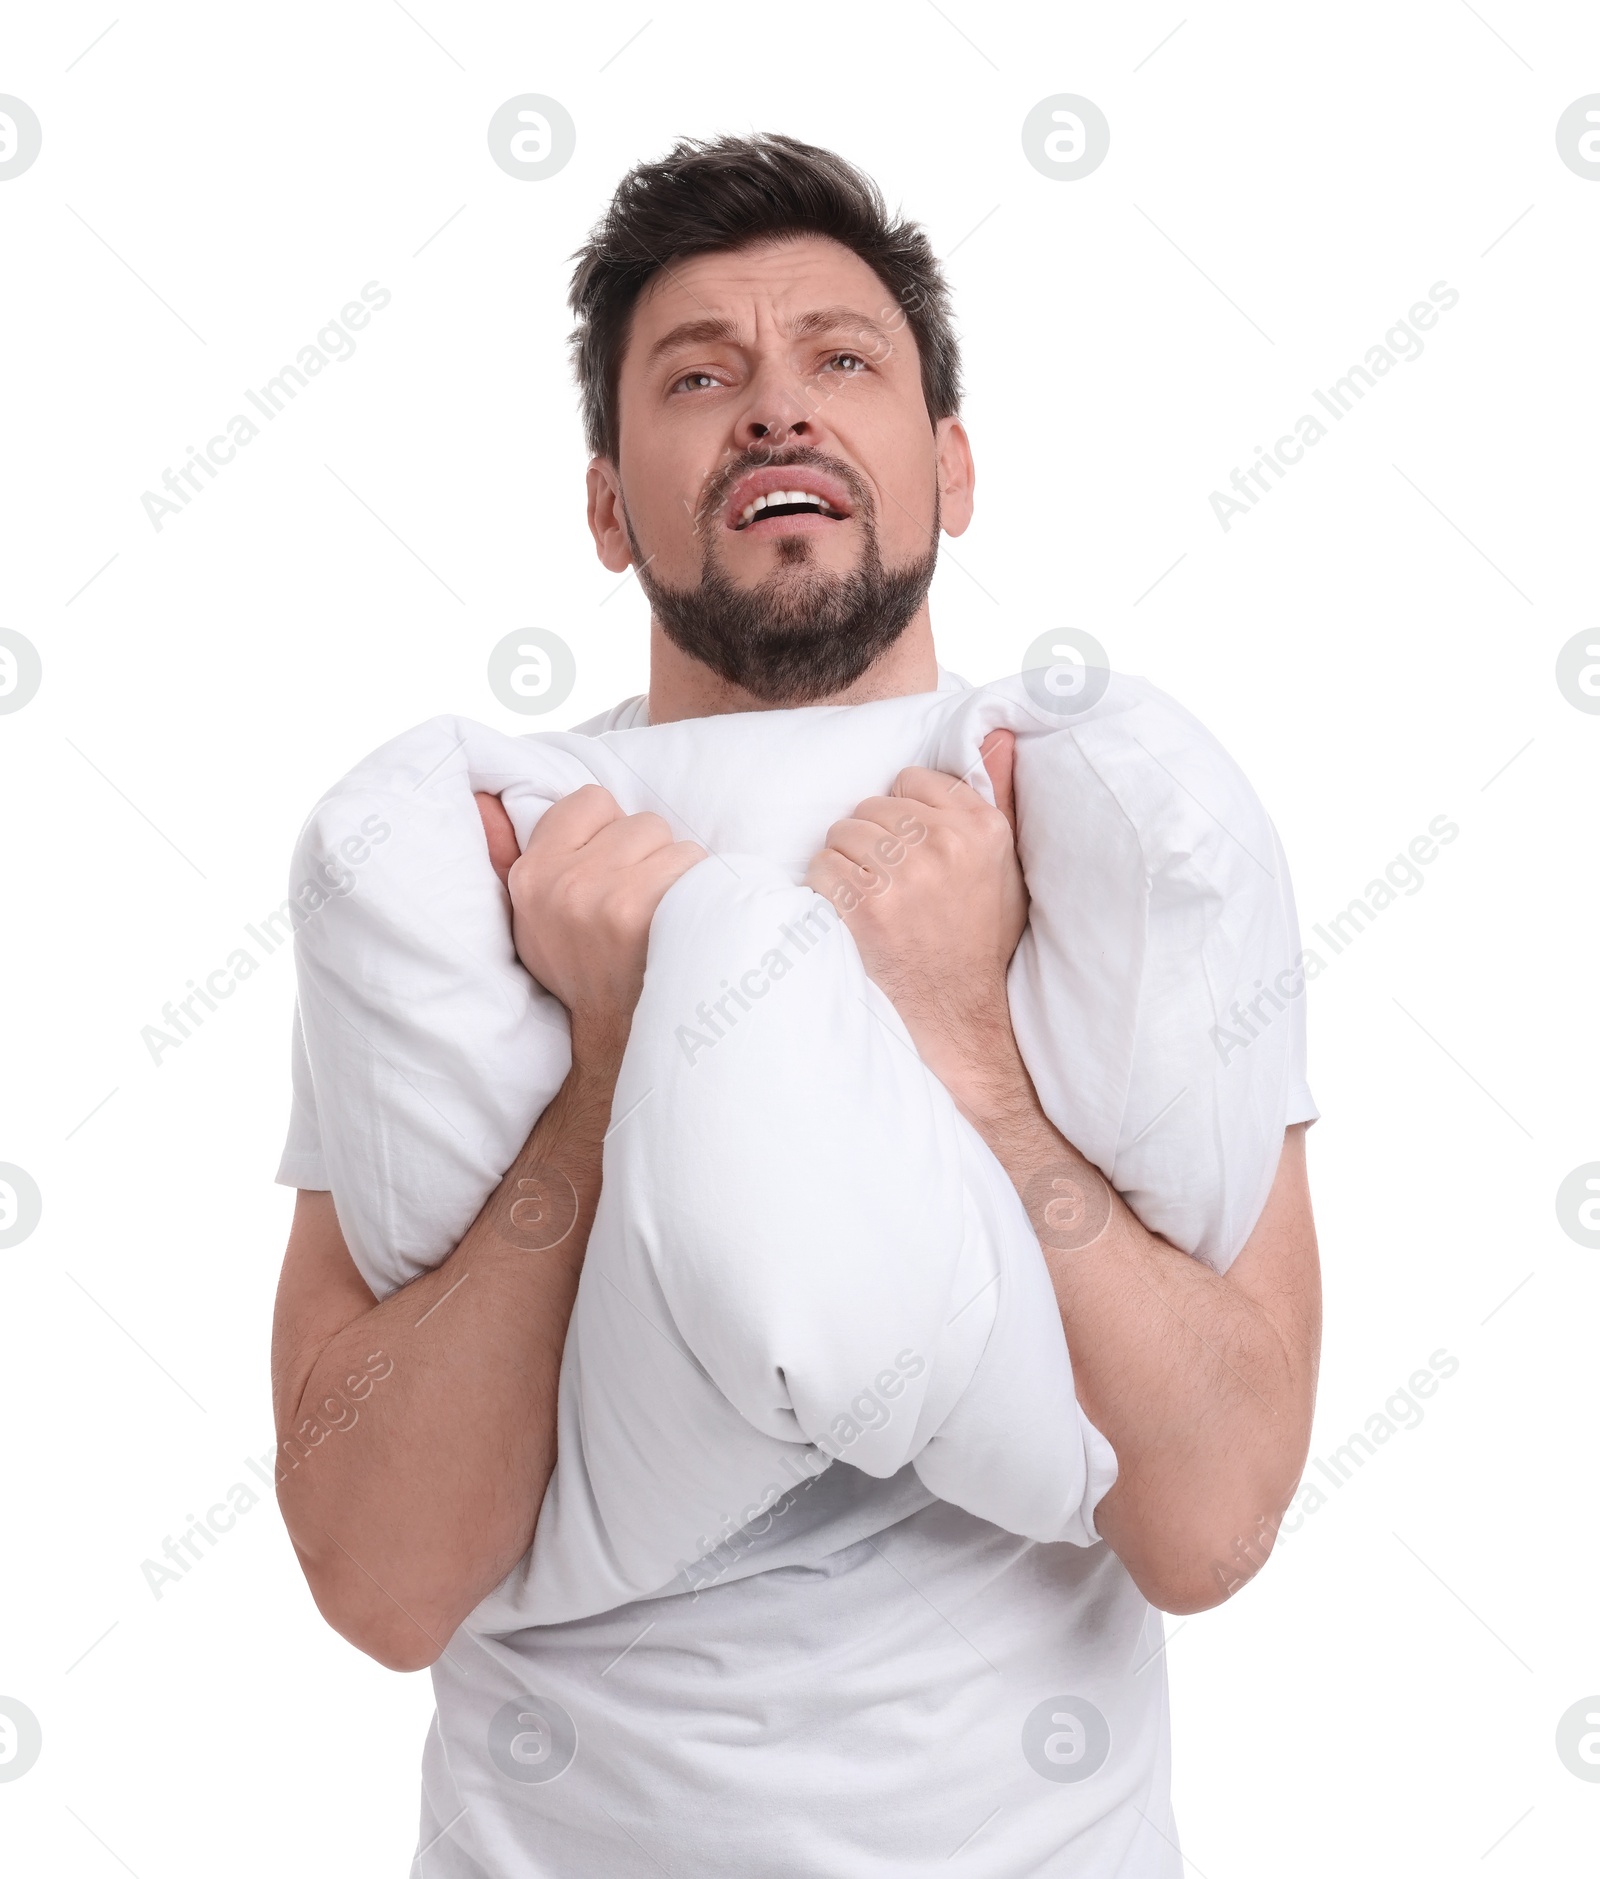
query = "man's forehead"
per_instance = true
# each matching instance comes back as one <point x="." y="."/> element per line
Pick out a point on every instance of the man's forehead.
<point x="807" y="275"/>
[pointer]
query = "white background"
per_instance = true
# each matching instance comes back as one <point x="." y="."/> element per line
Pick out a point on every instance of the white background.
<point x="1375" y="642"/>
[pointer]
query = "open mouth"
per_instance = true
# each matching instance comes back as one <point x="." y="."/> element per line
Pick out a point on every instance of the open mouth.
<point x="790" y="496"/>
<point x="782" y="502"/>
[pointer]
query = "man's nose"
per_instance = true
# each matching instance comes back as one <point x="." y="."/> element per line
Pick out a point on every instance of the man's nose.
<point x="777" y="413"/>
<point x="770" y="425"/>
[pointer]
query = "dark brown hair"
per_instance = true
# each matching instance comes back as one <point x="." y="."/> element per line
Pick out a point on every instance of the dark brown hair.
<point x="726" y="193"/>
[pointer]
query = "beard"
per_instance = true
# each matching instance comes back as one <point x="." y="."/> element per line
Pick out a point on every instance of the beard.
<point x="802" y="633"/>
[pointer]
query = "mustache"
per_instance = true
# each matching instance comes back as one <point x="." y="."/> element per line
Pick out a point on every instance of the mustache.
<point x="792" y="456"/>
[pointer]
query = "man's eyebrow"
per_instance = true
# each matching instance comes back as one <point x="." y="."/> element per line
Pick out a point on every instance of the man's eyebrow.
<point x="833" y="320"/>
<point x="703" y="332"/>
<point x="714" y="330"/>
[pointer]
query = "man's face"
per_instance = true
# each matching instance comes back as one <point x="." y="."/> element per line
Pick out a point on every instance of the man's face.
<point x="778" y="370"/>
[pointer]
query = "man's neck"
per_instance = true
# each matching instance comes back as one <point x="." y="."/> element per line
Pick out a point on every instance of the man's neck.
<point x="681" y="687"/>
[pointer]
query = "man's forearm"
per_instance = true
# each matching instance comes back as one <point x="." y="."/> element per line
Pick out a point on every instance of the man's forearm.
<point x="404" y="1519"/>
<point x="1189" y="1377"/>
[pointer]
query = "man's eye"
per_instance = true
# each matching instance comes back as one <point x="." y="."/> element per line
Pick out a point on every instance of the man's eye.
<point x="851" y="363"/>
<point x="695" y="381"/>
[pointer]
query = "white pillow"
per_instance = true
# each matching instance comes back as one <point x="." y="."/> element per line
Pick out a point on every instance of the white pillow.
<point x="796" y="1209"/>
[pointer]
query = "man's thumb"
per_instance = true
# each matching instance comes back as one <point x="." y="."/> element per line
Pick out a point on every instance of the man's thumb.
<point x="999" y="753"/>
<point x="498" y="833"/>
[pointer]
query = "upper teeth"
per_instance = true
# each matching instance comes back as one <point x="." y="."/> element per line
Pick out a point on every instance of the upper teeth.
<point x="781" y="496"/>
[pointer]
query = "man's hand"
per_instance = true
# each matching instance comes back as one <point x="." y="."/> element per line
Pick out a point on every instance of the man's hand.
<point x="583" y="894"/>
<point x="928" y="882"/>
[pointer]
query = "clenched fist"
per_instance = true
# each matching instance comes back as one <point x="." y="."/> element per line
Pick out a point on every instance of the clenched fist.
<point x="928" y="882"/>
<point x="583" y="894"/>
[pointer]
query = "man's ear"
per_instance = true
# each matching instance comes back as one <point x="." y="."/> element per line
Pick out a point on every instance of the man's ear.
<point x="957" y="475"/>
<point x="605" y="516"/>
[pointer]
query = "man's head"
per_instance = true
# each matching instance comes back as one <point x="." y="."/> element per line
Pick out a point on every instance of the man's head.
<point x="752" y="325"/>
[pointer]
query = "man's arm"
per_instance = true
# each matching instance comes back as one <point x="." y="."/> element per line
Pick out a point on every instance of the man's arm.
<point x="1203" y="1384"/>
<point x="410" y="1503"/>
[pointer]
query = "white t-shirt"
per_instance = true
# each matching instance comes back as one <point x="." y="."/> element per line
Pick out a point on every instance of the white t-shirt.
<point x="741" y="1729"/>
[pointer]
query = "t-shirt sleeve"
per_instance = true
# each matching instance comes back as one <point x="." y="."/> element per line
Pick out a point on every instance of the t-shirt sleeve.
<point x="302" y="1163"/>
<point x="1302" y="1106"/>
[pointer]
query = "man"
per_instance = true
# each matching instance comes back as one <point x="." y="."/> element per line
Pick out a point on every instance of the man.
<point x="770" y="387"/>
